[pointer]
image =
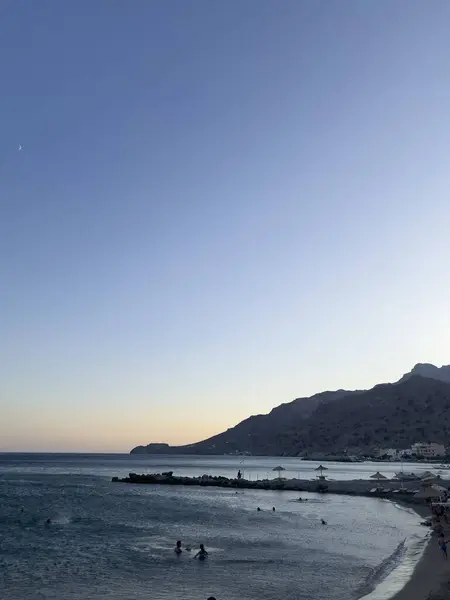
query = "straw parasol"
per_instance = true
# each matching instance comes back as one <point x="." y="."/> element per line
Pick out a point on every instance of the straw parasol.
<point x="279" y="469"/>
<point x="321" y="469"/>
<point x="440" y="488"/>
<point x="431" y="491"/>
<point x="428" y="477"/>
<point x="378" y="476"/>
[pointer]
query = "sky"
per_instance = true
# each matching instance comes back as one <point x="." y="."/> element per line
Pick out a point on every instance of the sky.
<point x="210" y="208"/>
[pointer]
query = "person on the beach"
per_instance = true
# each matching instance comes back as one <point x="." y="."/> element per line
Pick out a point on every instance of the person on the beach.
<point x="177" y="548"/>
<point x="443" y="545"/>
<point x="201" y="554"/>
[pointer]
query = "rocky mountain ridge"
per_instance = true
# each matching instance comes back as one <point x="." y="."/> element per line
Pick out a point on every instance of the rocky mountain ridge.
<point x="415" y="408"/>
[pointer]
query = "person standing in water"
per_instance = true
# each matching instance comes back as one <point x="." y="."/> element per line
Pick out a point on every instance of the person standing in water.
<point x="201" y="554"/>
<point x="177" y="548"/>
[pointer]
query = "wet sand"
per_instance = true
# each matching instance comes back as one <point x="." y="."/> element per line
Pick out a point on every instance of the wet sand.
<point x="431" y="578"/>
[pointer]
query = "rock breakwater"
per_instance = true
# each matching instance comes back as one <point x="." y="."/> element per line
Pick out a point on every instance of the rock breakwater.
<point x="357" y="487"/>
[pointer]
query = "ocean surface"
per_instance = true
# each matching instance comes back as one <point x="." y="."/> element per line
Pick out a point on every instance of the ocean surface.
<point x="115" y="541"/>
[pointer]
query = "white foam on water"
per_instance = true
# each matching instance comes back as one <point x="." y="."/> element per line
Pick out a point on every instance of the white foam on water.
<point x="61" y="520"/>
<point x="402" y="573"/>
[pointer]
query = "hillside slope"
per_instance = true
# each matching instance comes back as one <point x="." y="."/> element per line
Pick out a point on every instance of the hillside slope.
<point x="389" y="415"/>
<point x="417" y="408"/>
<point x="258" y="434"/>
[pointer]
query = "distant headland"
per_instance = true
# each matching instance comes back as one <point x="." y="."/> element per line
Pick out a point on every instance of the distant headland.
<point x="340" y="423"/>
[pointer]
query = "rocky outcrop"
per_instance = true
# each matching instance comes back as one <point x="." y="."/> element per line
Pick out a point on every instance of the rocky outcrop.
<point x="151" y="449"/>
<point x="430" y="371"/>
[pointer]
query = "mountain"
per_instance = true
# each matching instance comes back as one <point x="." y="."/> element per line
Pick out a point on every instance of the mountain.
<point x="430" y="371"/>
<point x="416" y="408"/>
<point x="252" y="433"/>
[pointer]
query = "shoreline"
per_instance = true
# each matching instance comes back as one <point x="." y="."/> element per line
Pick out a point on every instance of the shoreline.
<point x="430" y="578"/>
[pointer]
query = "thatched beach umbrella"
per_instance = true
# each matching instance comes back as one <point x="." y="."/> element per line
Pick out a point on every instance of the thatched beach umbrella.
<point x="431" y="491"/>
<point x="378" y="476"/>
<point x="440" y="488"/>
<point x="428" y="477"/>
<point x="279" y="469"/>
<point x="321" y="469"/>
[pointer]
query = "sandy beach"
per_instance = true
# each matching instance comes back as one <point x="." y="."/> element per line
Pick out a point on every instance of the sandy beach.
<point x="431" y="578"/>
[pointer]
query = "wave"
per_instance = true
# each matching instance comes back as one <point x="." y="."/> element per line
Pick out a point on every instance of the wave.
<point x="402" y="507"/>
<point x="62" y="520"/>
<point x="394" y="572"/>
<point x="308" y="501"/>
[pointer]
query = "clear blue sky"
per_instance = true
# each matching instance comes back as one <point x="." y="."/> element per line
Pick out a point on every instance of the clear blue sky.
<point x="218" y="207"/>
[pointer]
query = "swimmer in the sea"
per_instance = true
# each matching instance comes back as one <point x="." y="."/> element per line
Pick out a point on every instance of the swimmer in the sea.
<point x="48" y="521"/>
<point x="201" y="554"/>
<point x="177" y="548"/>
<point x="323" y="522"/>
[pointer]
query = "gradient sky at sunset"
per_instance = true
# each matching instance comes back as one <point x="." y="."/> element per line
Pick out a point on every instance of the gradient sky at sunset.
<point x="219" y="206"/>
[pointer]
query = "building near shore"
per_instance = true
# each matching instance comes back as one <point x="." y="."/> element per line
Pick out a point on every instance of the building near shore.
<point x="428" y="450"/>
<point x="394" y="453"/>
<point x="390" y="453"/>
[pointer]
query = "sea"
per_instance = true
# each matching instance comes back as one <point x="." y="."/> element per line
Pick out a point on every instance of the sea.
<point x="114" y="541"/>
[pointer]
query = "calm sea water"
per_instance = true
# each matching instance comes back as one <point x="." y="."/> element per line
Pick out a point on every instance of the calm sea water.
<point x="115" y="541"/>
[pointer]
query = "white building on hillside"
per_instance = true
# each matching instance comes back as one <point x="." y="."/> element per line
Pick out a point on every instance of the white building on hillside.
<point x="428" y="450"/>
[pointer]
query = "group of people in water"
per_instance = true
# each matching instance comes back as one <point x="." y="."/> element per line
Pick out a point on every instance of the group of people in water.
<point x="201" y="554"/>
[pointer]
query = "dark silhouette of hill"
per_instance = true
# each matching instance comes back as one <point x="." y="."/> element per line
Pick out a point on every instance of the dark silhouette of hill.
<point x="389" y="415"/>
<point x="255" y="432"/>
<point x="417" y="408"/>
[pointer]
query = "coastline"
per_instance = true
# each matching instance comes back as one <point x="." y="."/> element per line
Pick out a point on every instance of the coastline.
<point x="430" y="578"/>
